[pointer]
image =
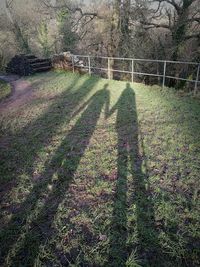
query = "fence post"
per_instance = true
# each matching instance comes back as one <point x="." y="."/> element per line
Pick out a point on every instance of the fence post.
<point x="197" y="80"/>
<point x="89" y="65"/>
<point x="108" y="68"/>
<point x="73" y="63"/>
<point x="164" y="74"/>
<point x="132" y="69"/>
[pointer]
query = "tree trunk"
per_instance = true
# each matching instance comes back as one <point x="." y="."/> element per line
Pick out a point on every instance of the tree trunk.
<point x="114" y="35"/>
<point x="179" y="32"/>
<point x="21" y="39"/>
<point x="120" y="34"/>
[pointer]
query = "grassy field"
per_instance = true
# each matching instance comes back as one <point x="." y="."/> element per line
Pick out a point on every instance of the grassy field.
<point x="5" y="89"/>
<point x="100" y="173"/>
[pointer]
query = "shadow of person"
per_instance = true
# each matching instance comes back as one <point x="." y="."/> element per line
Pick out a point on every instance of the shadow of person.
<point x="60" y="112"/>
<point x="64" y="163"/>
<point x="130" y="176"/>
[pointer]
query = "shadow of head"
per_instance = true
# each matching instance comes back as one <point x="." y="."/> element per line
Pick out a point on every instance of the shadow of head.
<point x="105" y="87"/>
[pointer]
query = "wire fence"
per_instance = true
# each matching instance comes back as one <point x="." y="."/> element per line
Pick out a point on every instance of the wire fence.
<point x="163" y="69"/>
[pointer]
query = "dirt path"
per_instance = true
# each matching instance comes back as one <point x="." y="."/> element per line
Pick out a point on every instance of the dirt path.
<point x="22" y="92"/>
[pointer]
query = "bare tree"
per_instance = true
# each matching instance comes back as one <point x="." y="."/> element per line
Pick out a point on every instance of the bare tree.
<point x="17" y="30"/>
<point x="180" y="18"/>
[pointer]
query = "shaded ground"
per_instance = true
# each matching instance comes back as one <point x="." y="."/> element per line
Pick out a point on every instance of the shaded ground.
<point x="99" y="173"/>
<point x="21" y="93"/>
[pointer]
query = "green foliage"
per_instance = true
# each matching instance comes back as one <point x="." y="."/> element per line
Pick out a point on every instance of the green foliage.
<point x="22" y="38"/>
<point x="69" y="37"/>
<point x="43" y="39"/>
<point x="2" y="62"/>
<point x="62" y="15"/>
<point x="5" y="90"/>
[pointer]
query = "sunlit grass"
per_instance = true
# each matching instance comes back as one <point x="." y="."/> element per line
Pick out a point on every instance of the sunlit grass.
<point x="100" y="173"/>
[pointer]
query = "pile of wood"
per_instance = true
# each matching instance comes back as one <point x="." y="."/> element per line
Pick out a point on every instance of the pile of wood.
<point x="67" y="61"/>
<point x="25" y="65"/>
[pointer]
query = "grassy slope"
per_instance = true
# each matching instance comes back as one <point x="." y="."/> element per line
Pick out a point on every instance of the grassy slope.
<point x="100" y="173"/>
<point x="5" y="89"/>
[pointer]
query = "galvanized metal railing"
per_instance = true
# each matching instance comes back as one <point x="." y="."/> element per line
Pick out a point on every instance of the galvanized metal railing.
<point x="164" y="75"/>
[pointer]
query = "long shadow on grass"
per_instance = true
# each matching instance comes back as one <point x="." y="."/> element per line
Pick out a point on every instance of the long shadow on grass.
<point x="130" y="176"/>
<point x="26" y="143"/>
<point x="63" y="164"/>
<point x="29" y="142"/>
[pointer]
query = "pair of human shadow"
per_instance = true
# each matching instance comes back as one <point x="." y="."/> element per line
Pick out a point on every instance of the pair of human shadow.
<point x="41" y="229"/>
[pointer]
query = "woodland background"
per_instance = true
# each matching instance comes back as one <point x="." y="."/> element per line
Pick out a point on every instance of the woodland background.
<point x="160" y="29"/>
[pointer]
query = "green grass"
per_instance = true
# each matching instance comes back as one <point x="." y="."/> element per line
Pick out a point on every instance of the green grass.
<point x="5" y="90"/>
<point x="100" y="173"/>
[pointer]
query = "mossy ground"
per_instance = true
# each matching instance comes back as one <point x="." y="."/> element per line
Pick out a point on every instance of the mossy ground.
<point x="5" y="90"/>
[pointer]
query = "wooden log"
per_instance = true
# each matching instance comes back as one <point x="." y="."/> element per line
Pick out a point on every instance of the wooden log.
<point x="25" y="65"/>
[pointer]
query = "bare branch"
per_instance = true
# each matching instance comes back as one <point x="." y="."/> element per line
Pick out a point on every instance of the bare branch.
<point x="169" y="15"/>
<point x="171" y="2"/>
<point x="85" y="23"/>
<point x="155" y="25"/>
<point x="9" y="3"/>
<point x="73" y="10"/>
<point x="194" y="20"/>
<point x="196" y="36"/>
